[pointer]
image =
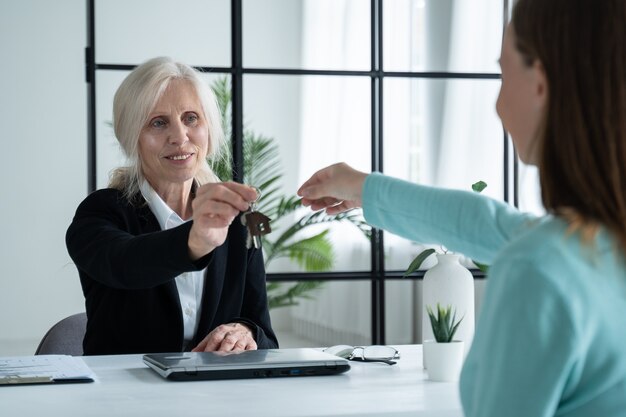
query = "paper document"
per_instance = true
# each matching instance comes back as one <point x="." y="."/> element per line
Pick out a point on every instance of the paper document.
<point x="44" y="369"/>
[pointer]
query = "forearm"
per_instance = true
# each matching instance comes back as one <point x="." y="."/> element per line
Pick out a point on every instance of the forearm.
<point x="121" y="260"/>
<point x="464" y="222"/>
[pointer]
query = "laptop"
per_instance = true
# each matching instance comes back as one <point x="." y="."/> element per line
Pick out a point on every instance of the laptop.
<point x="262" y="363"/>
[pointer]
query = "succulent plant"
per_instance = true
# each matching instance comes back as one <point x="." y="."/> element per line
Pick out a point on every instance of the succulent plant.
<point x="444" y="324"/>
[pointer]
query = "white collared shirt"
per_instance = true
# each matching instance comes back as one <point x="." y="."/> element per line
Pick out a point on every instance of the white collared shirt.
<point x="189" y="284"/>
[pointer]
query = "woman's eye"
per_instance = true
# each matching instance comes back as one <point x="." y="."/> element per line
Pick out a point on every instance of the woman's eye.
<point x="157" y="123"/>
<point x="192" y="118"/>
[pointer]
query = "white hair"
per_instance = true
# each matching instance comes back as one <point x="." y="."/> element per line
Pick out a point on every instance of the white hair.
<point x="134" y="101"/>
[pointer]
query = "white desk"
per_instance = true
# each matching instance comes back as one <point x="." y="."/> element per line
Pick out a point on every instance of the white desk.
<point x="126" y="387"/>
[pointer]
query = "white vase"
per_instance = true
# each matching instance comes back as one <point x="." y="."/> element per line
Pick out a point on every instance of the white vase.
<point x="445" y="360"/>
<point x="450" y="284"/>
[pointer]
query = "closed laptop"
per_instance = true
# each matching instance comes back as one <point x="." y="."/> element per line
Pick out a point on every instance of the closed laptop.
<point x="263" y="363"/>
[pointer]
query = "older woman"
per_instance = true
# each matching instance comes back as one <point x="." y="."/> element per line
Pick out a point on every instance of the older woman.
<point x="161" y="254"/>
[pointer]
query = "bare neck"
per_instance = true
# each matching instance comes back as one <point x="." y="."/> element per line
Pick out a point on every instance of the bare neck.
<point x="178" y="197"/>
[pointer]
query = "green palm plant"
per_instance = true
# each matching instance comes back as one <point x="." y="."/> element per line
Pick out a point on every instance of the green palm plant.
<point x="261" y="166"/>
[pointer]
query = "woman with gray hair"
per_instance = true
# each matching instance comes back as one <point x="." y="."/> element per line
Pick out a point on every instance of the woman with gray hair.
<point x="163" y="265"/>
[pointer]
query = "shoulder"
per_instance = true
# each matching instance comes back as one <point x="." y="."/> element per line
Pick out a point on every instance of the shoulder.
<point x="105" y="196"/>
<point x="549" y="266"/>
<point x="109" y="199"/>
<point x="111" y="205"/>
<point x="547" y="246"/>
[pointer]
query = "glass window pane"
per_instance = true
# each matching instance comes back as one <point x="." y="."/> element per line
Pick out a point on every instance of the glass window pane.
<point x="308" y="34"/>
<point x="196" y="32"/>
<point x="313" y="121"/>
<point x="403" y="309"/>
<point x="338" y="313"/>
<point x="444" y="133"/>
<point x="442" y="35"/>
<point x="109" y="154"/>
<point x="402" y="324"/>
<point x="530" y="190"/>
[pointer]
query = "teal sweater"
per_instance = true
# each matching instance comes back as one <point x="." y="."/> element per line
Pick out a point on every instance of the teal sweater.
<point x="551" y="336"/>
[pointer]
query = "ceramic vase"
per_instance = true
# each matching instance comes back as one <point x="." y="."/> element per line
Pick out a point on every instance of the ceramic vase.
<point x="445" y="360"/>
<point x="450" y="284"/>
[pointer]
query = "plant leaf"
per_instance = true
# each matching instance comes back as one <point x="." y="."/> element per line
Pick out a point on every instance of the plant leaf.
<point x="313" y="254"/>
<point x="482" y="267"/>
<point x="479" y="186"/>
<point x="444" y="324"/>
<point x="417" y="262"/>
<point x="288" y="297"/>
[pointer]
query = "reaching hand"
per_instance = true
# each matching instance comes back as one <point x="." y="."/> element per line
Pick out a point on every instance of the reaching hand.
<point x="336" y="188"/>
<point x="214" y="208"/>
<point x="226" y="338"/>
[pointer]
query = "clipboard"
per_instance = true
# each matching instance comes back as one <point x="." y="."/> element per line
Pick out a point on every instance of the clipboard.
<point x="44" y="369"/>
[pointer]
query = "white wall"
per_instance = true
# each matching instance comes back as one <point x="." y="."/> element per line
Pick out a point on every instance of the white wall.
<point x="42" y="177"/>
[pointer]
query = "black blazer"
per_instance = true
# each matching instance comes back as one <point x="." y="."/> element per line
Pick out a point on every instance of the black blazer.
<point x="127" y="266"/>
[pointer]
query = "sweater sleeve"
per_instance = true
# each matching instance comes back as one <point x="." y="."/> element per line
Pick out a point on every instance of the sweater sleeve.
<point x="463" y="221"/>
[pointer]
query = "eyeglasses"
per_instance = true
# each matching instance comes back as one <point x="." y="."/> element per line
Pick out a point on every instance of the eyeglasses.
<point x="375" y="353"/>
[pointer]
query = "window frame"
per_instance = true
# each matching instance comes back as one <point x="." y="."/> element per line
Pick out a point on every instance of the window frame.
<point x="377" y="274"/>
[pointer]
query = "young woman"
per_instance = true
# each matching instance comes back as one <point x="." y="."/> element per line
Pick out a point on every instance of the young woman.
<point x="550" y="337"/>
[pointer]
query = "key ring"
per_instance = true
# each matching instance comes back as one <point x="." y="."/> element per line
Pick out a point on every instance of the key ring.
<point x="253" y="204"/>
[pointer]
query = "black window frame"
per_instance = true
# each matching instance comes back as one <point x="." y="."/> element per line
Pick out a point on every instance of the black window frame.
<point x="377" y="274"/>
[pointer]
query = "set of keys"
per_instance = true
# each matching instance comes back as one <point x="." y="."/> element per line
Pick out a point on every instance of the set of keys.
<point x="257" y="223"/>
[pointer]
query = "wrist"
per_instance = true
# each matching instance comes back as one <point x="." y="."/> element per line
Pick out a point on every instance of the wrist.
<point x="196" y="246"/>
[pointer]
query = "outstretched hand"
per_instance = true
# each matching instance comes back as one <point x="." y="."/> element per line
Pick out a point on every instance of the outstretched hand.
<point x="215" y="207"/>
<point x="336" y="189"/>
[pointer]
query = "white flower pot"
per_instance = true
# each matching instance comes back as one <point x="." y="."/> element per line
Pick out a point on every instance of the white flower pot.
<point x="444" y="360"/>
<point x="450" y="284"/>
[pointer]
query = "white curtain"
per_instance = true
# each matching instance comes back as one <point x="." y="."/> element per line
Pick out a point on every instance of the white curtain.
<point x="444" y="116"/>
<point x="335" y="114"/>
<point x="469" y="106"/>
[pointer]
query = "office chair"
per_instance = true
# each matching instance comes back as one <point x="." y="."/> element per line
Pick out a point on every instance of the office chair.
<point x="65" y="337"/>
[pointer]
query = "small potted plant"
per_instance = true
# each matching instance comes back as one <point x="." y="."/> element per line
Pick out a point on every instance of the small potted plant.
<point x="445" y="355"/>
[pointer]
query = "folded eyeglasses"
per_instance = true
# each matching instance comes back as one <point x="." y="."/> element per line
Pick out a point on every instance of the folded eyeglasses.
<point x="375" y="353"/>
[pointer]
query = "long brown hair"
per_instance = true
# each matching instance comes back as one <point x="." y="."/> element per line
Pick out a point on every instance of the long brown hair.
<point x="581" y="45"/>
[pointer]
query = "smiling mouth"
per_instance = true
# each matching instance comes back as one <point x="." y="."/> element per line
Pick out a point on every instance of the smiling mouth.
<point x="179" y="157"/>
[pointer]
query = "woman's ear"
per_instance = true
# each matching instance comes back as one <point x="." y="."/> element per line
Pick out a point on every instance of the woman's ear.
<point x="541" y="83"/>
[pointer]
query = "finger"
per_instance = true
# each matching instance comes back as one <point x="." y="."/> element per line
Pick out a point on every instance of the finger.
<point x="236" y="195"/>
<point x="248" y="193"/>
<point x="213" y="208"/>
<point x="314" y="191"/>
<point x="321" y="203"/>
<point x="228" y="342"/>
<point x="339" y="208"/>
<point x="200" y="347"/>
<point x="251" y="345"/>
<point x="214" y="339"/>
<point x="307" y="184"/>
<point x="240" y="345"/>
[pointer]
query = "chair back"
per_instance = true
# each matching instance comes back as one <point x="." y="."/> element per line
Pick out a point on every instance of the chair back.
<point x="65" y="337"/>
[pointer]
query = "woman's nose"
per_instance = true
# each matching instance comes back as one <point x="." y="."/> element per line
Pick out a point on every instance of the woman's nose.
<point x="177" y="134"/>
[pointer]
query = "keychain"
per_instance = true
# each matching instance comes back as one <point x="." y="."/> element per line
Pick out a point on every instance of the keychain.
<point x="257" y="223"/>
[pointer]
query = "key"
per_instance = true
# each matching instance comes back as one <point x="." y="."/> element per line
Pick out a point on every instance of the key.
<point x="257" y="223"/>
